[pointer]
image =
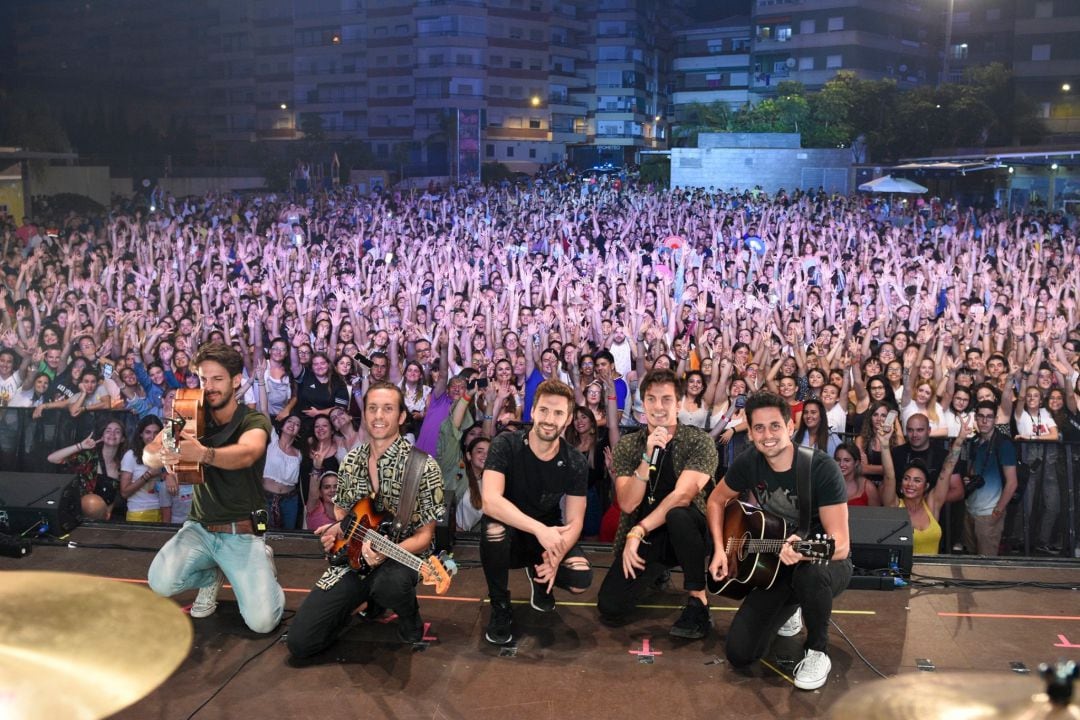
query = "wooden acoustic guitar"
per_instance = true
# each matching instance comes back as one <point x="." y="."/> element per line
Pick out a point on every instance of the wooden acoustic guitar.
<point x="365" y="523"/>
<point x="753" y="539"/>
<point x="187" y="414"/>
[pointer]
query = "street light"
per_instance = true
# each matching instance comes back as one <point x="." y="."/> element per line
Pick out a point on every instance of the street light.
<point x="284" y="106"/>
<point x="535" y="101"/>
<point x="1066" y="87"/>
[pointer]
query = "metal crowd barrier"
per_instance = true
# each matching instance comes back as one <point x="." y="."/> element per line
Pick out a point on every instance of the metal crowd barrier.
<point x="25" y="444"/>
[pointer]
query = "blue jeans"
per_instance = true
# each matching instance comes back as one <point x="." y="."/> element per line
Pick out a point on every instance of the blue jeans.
<point x="189" y="559"/>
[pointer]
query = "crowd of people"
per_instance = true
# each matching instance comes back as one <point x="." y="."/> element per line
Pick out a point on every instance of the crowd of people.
<point x="895" y="332"/>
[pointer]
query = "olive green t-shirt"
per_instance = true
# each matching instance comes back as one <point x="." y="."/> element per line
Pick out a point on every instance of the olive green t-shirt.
<point x="231" y="495"/>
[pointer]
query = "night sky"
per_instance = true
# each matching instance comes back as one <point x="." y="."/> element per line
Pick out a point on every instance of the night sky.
<point x="716" y="9"/>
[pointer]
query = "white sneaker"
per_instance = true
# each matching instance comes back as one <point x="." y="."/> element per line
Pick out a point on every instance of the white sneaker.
<point x="793" y="626"/>
<point x="813" y="670"/>
<point x="206" y="601"/>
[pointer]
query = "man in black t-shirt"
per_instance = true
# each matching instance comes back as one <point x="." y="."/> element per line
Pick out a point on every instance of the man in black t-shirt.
<point x="768" y="469"/>
<point x="660" y="473"/>
<point x="527" y="475"/>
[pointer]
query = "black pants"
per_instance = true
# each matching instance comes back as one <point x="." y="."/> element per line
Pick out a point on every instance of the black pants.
<point x="503" y="547"/>
<point x="326" y="612"/>
<point x="680" y="541"/>
<point x="807" y="585"/>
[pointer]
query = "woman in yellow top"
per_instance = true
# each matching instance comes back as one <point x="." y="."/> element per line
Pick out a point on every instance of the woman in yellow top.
<point x="923" y="500"/>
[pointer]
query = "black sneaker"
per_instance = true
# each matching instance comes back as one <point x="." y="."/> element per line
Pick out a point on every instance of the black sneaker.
<point x="695" y="621"/>
<point x="539" y="596"/>
<point x="498" y="629"/>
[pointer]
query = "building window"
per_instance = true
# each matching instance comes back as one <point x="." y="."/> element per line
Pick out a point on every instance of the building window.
<point x="806" y="63"/>
<point x="834" y="61"/>
<point x="807" y="27"/>
<point x="509" y="151"/>
<point x="783" y="33"/>
<point x="496" y="60"/>
<point x="836" y="23"/>
<point x="959" y="51"/>
<point x="516" y="33"/>
<point x="1044" y="8"/>
<point x="1040" y="52"/>
<point x="534" y="124"/>
<point x="532" y="152"/>
<point x="401" y="30"/>
<point x="489" y="150"/>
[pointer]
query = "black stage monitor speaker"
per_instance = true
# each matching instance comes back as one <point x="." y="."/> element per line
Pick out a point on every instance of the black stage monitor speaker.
<point x="43" y="502"/>
<point x="881" y="539"/>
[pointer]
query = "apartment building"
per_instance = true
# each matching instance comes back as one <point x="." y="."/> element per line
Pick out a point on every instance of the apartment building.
<point x="712" y="64"/>
<point x="809" y="41"/>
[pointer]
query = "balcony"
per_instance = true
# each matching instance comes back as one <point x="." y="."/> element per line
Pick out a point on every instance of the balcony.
<point x="504" y="133"/>
<point x="277" y="134"/>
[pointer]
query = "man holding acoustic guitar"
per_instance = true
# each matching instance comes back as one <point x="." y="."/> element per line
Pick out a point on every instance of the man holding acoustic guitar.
<point x="809" y="573"/>
<point x="376" y="549"/>
<point x="219" y="446"/>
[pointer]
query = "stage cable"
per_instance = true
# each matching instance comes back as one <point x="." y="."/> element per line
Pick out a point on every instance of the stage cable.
<point x="862" y="657"/>
<point x="244" y="664"/>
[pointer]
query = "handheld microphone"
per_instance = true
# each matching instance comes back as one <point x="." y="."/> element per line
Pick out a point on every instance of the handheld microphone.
<point x="654" y="459"/>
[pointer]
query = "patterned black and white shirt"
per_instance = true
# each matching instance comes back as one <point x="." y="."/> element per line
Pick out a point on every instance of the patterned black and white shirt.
<point x="354" y="482"/>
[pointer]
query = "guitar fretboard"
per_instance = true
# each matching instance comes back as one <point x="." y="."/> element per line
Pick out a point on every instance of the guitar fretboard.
<point x="389" y="548"/>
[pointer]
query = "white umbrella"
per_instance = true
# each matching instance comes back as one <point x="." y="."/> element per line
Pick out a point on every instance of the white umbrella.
<point x="889" y="184"/>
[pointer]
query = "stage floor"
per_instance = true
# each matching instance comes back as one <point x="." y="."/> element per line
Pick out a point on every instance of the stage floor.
<point x="567" y="664"/>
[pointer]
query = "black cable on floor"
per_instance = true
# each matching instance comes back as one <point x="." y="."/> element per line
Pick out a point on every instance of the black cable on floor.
<point x="862" y="657"/>
<point x="932" y="581"/>
<point x="242" y="665"/>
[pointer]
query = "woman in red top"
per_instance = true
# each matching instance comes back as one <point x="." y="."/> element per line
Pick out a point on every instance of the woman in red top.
<point x="859" y="490"/>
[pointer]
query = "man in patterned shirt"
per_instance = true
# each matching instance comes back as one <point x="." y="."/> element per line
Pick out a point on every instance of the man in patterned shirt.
<point x="376" y="470"/>
<point x="660" y="475"/>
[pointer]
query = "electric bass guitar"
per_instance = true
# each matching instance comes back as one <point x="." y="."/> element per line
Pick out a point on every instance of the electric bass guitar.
<point x="365" y="524"/>
<point x="753" y="539"/>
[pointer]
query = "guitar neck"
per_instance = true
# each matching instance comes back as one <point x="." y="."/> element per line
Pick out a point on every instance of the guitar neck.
<point x="764" y="546"/>
<point x="392" y="550"/>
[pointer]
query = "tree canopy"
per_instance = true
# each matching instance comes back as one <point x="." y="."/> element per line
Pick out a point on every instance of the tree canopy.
<point x="982" y="110"/>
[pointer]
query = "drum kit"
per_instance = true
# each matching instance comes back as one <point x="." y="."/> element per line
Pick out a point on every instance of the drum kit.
<point x="78" y="646"/>
<point x="965" y="696"/>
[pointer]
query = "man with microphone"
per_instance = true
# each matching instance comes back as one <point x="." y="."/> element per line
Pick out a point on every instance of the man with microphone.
<point x="660" y="475"/>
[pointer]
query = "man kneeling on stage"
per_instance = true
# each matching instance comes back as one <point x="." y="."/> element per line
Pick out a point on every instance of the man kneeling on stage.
<point x="525" y="479"/>
<point x="376" y="469"/>
<point x="769" y="471"/>
<point x="660" y="475"/>
<point x="221" y="537"/>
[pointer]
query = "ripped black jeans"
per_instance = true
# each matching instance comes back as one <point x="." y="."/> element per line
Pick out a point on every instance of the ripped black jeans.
<point x="503" y="547"/>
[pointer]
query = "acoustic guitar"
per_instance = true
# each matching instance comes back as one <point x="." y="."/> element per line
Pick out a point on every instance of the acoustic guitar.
<point x="187" y="414"/>
<point x="753" y="539"/>
<point x="364" y="523"/>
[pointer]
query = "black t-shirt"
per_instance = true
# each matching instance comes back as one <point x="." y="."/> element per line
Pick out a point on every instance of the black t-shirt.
<point x="535" y="486"/>
<point x="777" y="490"/>
<point x="310" y="393"/>
<point x="934" y="456"/>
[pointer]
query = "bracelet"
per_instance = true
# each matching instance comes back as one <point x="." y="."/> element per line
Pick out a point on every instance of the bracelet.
<point x="645" y="459"/>
<point x="638" y="477"/>
<point x="208" y="456"/>
<point x="638" y="532"/>
<point x="466" y="397"/>
<point x="612" y="397"/>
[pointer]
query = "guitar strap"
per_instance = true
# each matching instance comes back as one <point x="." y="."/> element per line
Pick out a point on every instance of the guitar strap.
<point x="410" y="487"/>
<point x="222" y="436"/>
<point x="804" y="457"/>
